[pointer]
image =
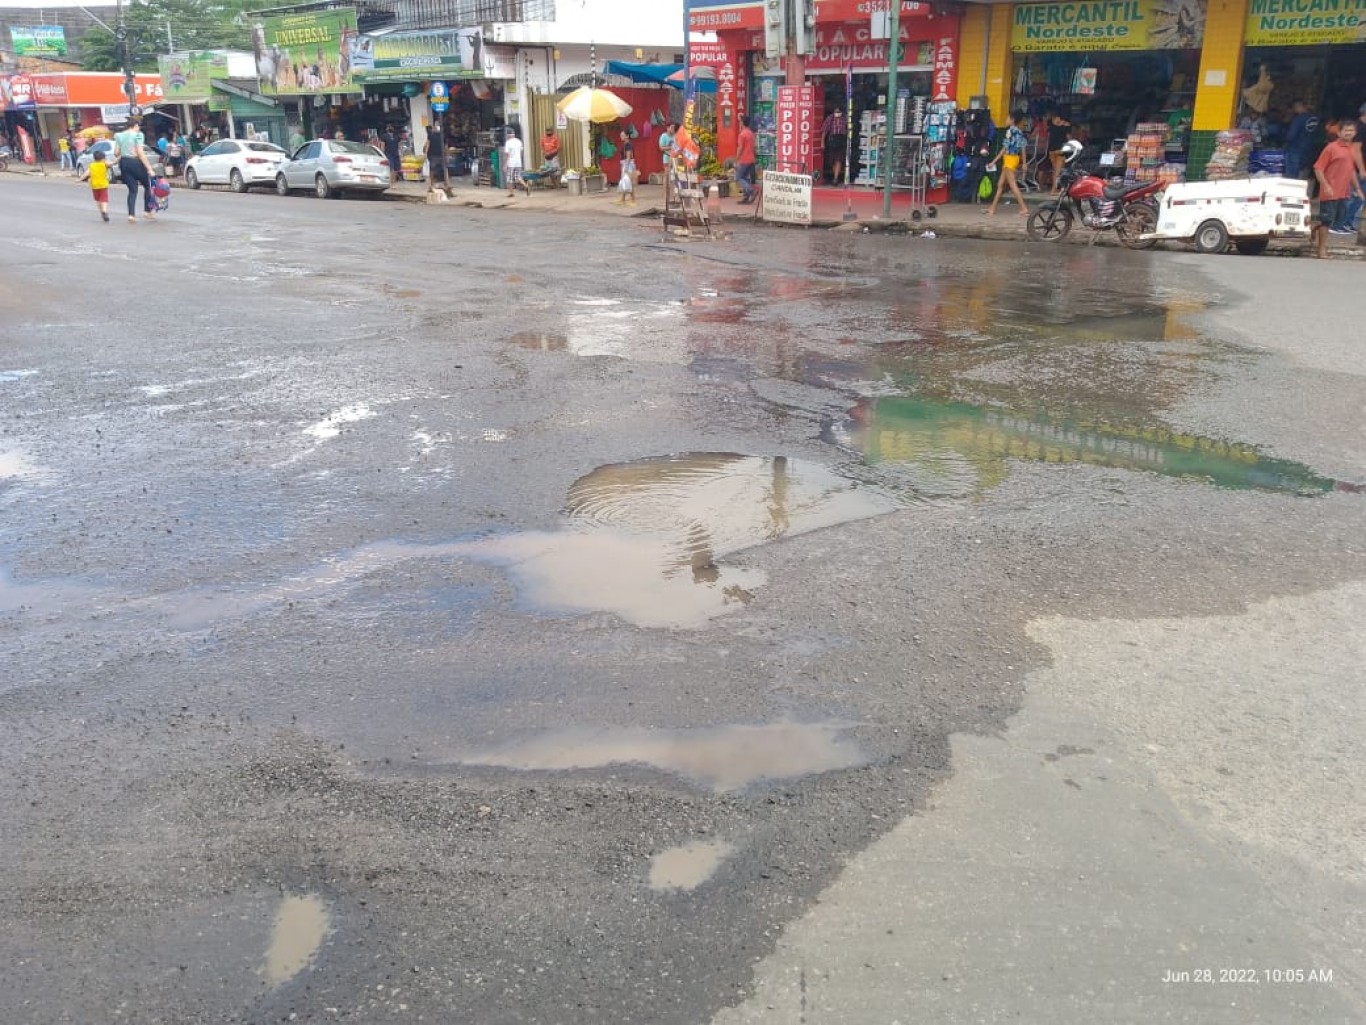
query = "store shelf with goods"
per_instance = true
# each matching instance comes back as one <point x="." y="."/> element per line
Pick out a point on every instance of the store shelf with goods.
<point x="872" y="140"/>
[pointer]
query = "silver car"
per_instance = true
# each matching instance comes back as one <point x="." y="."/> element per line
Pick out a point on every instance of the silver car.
<point x="330" y="167"/>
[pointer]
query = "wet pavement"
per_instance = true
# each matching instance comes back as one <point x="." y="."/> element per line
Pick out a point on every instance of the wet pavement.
<point x="428" y="614"/>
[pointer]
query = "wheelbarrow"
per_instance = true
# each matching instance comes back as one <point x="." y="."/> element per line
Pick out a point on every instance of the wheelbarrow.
<point x="546" y="178"/>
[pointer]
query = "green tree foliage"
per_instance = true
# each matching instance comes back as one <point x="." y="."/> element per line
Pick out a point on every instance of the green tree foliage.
<point x="160" y="26"/>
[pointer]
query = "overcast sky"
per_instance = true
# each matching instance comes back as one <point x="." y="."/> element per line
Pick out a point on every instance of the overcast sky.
<point x="49" y="5"/>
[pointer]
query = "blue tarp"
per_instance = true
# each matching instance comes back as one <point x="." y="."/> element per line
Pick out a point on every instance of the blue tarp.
<point x="655" y="74"/>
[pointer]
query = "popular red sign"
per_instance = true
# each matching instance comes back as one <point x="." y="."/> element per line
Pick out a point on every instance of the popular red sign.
<point x="838" y="46"/>
<point x="796" y="117"/>
<point x="711" y="55"/>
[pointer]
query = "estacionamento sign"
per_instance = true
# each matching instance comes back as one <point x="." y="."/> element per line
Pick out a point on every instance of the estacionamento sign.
<point x="38" y="40"/>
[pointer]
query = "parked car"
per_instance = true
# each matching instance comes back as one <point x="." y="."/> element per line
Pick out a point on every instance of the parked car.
<point x="240" y="163"/>
<point x="106" y="146"/>
<point x="330" y="167"/>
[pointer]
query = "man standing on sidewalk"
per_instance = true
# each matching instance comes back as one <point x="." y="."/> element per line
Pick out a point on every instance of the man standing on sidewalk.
<point x="435" y="152"/>
<point x="745" y="161"/>
<point x="1351" y="215"/>
<point x="1336" y="170"/>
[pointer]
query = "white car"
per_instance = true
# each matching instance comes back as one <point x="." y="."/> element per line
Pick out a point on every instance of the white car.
<point x="330" y="167"/>
<point x="236" y="162"/>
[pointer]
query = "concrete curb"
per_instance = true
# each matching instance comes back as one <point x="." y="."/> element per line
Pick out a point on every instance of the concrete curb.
<point x="996" y="230"/>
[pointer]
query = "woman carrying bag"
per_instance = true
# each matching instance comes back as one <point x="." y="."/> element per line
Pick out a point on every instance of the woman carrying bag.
<point x="135" y="169"/>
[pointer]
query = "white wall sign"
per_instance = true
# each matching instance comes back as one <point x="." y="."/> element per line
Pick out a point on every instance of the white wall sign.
<point x="786" y="198"/>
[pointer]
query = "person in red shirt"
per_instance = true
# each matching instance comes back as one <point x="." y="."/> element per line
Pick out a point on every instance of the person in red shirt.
<point x="550" y="150"/>
<point x="745" y="161"/>
<point x="1336" y="170"/>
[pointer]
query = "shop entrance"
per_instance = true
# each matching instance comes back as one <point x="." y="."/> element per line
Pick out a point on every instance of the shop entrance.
<point x="1330" y="79"/>
<point x="1111" y="99"/>
<point x="867" y="128"/>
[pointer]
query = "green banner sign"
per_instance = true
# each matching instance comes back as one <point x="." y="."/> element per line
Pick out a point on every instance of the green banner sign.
<point x="1305" y="22"/>
<point x="445" y="54"/>
<point x="1108" y="25"/>
<point x="38" y="41"/>
<point x="307" y="54"/>
<point x="186" y="77"/>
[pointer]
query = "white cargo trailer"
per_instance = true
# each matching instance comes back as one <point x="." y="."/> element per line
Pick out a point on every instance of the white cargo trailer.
<point x="1249" y="212"/>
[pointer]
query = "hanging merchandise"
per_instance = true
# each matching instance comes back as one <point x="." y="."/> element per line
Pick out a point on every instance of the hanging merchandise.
<point x="1084" y="81"/>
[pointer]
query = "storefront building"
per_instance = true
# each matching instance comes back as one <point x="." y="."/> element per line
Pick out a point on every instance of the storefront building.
<point x="788" y="98"/>
<point x="1161" y="78"/>
<point x="49" y="104"/>
<point x="1165" y="78"/>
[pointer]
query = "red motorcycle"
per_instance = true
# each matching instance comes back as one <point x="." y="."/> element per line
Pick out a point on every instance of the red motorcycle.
<point x="1130" y="210"/>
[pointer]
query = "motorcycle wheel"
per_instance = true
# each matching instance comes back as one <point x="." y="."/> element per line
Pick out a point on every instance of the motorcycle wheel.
<point x="1050" y="223"/>
<point x="1139" y="219"/>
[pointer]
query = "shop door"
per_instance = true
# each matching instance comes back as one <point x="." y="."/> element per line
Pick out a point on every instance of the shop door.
<point x="572" y="143"/>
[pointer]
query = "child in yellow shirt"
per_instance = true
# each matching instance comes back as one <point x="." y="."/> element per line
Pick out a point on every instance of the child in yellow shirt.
<point x="99" y="183"/>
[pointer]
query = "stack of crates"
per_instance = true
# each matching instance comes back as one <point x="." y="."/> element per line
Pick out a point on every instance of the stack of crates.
<point x="1145" y="151"/>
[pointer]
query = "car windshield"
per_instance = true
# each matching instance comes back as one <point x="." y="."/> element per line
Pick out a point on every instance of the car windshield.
<point x="352" y="147"/>
<point x="264" y="147"/>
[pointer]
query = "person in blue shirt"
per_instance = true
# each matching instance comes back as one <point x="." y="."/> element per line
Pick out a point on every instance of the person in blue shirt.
<point x="1010" y="158"/>
<point x="1299" y="138"/>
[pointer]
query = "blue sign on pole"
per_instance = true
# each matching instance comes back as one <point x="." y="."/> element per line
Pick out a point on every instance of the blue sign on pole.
<point x="439" y="96"/>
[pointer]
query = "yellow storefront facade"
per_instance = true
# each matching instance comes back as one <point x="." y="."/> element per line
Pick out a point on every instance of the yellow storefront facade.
<point x="1200" y="66"/>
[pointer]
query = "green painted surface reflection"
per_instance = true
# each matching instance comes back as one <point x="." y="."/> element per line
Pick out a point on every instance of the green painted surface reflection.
<point x="976" y="443"/>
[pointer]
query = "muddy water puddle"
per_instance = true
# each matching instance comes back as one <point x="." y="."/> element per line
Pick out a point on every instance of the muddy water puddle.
<point x="723" y="759"/>
<point x="645" y="541"/>
<point x="301" y="925"/>
<point x="41" y="597"/>
<point x="688" y="866"/>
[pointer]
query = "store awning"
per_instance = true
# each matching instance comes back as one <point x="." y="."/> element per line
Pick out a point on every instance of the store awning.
<point x="653" y="74"/>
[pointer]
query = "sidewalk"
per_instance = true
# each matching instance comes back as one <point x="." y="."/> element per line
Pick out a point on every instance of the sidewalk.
<point x="829" y="206"/>
<point x="829" y="209"/>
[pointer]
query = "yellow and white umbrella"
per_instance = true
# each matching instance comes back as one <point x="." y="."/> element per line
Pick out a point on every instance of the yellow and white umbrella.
<point x="596" y="105"/>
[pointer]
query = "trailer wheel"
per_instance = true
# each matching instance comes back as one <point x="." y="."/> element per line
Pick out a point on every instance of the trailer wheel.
<point x="1251" y="246"/>
<point x="1211" y="237"/>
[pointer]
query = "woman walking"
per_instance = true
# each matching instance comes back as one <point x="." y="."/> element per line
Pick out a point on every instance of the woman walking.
<point x="135" y="169"/>
<point x="1010" y="157"/>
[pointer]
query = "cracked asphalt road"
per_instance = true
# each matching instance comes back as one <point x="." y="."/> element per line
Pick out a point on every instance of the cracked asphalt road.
<point x="415" y="614"/>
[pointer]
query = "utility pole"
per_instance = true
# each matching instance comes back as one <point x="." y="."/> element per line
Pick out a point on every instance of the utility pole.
<point x="893" y="59"/>
<point x="130" y="87"/>
<point x="170" y="40"/>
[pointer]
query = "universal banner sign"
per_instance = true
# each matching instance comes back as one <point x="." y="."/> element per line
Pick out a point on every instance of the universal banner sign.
<point x="38" y="41"/>
<point x="307" y="54"/>
<point x="1305" y="22"/>
<point x="1108" y="25"/>
<point x="786" y="198"/>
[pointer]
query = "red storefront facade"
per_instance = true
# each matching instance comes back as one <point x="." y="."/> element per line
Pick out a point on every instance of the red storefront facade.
<point x="844" y="46"/>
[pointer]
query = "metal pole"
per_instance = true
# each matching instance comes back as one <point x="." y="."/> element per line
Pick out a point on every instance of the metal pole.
<point x="129" y="82"/>
<point x="893" y="56"/>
